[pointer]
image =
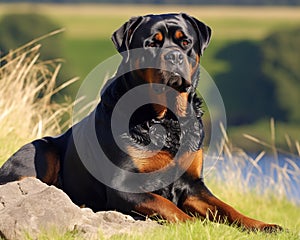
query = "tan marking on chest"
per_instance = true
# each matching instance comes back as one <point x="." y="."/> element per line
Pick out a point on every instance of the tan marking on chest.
<point x="192" y="163"/>
<point x="147" y="161"/>
<point x="160" y="110"/>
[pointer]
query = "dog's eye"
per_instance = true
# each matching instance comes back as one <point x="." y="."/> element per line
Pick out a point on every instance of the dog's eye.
<point x="150" y="44"/>
<point x="185" y="42"/>
<point x="153" y="44"/>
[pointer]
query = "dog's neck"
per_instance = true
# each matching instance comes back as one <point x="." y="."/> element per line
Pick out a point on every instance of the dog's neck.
<point x="170" y="132"/>
<point x="117" y="87"/>
<point x="144" y="122"/>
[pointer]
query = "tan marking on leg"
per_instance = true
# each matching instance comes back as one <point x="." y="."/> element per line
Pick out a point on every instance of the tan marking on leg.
<point x="161" y="206"/>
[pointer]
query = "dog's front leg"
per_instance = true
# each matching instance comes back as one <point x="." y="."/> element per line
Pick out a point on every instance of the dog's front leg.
<point x="158" y="205"/>
<point x="148" y="205"/>
<point x="205" y="204"/>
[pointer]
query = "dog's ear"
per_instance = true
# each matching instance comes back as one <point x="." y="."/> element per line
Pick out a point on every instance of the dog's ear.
<point x="203" y="31"/>
<point x="122" y="37"/>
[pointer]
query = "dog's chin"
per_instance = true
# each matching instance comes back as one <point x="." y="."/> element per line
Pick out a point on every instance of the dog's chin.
<point x="176" y="81"/>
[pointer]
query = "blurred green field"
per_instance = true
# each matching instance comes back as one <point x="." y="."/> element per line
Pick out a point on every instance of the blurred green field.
<point x="88" y="29"/>
<point x="97" y="21"/>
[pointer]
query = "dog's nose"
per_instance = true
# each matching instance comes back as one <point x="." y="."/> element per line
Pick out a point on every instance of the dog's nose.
<point x="175" y="57"/>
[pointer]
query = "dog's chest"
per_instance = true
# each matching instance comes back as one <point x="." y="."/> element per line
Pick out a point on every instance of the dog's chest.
<point x="157" y="135"/>
<point x="161" y="145"/>
<point x="174" y="137"/>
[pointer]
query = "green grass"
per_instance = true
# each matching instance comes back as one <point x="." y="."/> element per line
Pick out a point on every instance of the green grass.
<point x="267" y="209"/>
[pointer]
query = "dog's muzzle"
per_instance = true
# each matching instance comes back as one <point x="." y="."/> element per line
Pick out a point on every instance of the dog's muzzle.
<point x="176" y="75"/>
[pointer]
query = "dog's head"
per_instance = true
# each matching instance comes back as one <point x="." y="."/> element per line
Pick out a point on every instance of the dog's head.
<point x="170" y="46"/>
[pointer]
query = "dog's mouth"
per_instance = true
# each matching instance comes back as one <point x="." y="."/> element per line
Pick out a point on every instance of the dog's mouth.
<point x="172" y="90"/>
<point x="175" y="80"/>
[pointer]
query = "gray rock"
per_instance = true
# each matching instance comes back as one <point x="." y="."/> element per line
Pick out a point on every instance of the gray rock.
<point x="30" y="206"/>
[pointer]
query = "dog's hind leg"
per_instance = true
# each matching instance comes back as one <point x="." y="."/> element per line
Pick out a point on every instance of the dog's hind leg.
<point x="38" y="159"/>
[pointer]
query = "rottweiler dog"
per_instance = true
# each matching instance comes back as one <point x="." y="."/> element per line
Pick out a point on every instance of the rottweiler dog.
<point x="153" y="166"/>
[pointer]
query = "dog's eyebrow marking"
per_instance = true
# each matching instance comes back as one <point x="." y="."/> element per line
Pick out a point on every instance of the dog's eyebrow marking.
<point x="158" y="36"/>
<point x="179" y="34"/>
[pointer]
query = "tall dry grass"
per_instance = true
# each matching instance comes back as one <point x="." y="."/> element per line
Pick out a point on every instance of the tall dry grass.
<point x="27" y="87"/>
<point x="272" y="172"/>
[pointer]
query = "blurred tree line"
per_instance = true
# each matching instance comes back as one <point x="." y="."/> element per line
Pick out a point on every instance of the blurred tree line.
<point x="281" y="63"/>
<point x="263" y="79"/>
<point x="196" y="2"/>
<point x="18" y="29"/>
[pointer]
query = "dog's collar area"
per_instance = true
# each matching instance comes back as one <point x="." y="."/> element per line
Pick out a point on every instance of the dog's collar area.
<point x="154" y="134"/>
<point x="168" y="134"/>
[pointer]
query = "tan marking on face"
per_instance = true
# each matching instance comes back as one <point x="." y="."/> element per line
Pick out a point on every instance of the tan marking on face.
<point x="151" y="76"/>
<point x="158" y="37"/>
<point x="160" y="109"/>
<point x="181" y="104"/>
<point x="194" y="68"/>
<point x="178" y="34"/>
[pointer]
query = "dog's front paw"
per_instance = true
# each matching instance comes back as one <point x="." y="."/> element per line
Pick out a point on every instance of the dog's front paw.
<point x="271" y="228"/>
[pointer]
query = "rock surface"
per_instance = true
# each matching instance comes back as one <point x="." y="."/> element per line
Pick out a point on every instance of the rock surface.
<point x="30" y="206"/>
